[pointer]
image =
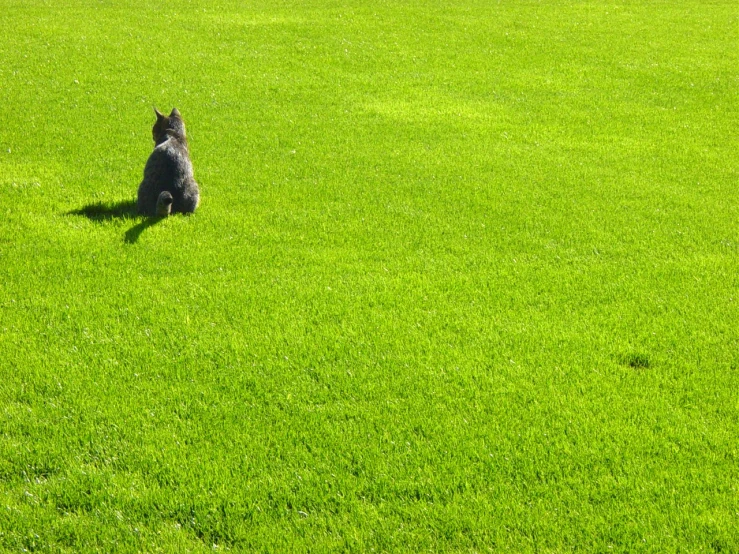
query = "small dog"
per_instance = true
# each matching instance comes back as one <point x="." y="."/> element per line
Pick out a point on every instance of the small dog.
<point x="168" y="186"/>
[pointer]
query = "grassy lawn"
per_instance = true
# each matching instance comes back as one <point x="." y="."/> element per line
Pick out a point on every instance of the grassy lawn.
<point x="463" y="278"/>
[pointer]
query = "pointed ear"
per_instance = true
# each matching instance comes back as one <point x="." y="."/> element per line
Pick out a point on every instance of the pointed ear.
<point x="175" y="113"/>
<point x="159" y="115"/>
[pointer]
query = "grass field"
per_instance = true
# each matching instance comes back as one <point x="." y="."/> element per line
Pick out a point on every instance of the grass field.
<point x="463" y="278"/>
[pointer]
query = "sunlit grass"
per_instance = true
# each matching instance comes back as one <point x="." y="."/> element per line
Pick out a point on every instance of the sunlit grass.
<point x="462" y="278"/>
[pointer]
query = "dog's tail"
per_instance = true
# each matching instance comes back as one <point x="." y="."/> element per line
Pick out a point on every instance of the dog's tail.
<point x="164" y="203"/>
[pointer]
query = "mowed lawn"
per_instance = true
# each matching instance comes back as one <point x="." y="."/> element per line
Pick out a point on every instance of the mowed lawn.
<point x="464" y="277"/>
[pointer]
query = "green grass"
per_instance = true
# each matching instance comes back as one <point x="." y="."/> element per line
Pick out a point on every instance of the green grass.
<point x="464" y="278"/>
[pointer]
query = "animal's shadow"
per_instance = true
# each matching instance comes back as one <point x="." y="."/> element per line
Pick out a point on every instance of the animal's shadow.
<point x="101" y="211"/>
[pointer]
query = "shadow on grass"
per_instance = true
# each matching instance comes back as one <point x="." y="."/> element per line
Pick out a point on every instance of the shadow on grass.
<point x="132" y="235"/>
<point x="101" y="211"/>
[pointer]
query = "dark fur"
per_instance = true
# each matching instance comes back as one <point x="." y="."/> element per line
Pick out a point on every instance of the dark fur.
<point x="168" y="185"/>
